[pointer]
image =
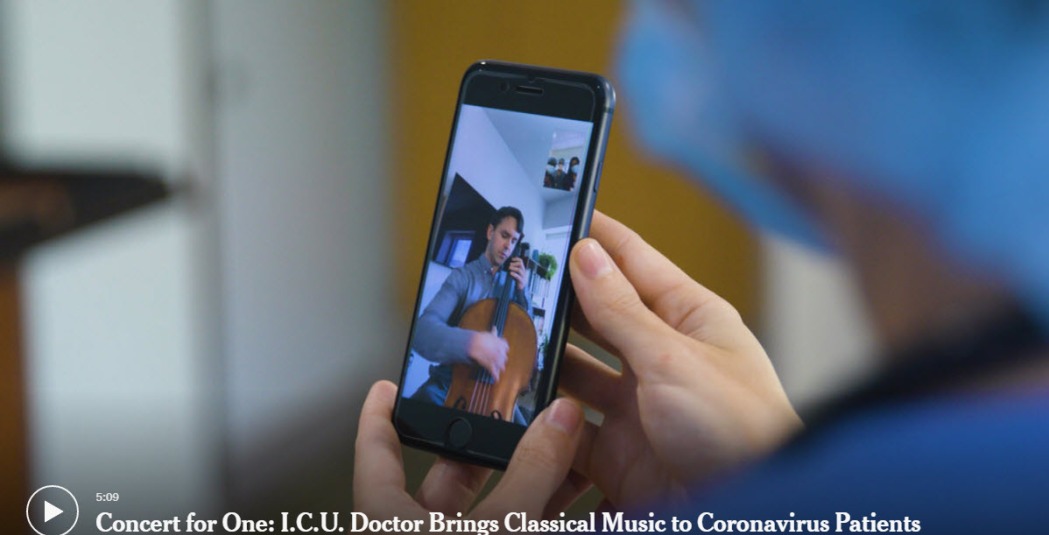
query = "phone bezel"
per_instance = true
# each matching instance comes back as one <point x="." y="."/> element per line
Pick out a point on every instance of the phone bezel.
<point x="567" y="94"/>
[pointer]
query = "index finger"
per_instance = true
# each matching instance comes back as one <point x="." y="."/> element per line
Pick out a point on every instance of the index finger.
<point x="672" y="294"/>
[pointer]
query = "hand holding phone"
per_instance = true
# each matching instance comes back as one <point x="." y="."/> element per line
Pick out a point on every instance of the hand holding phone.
<point x="537" y="481"/>
<point x="490" y="320"/>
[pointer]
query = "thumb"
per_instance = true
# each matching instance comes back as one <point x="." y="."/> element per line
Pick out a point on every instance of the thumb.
<point x="540" y="464"/>
<point x="614" y="309"/>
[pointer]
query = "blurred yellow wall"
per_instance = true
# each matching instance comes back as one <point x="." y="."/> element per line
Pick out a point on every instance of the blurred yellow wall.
<point x="432" y="43"/>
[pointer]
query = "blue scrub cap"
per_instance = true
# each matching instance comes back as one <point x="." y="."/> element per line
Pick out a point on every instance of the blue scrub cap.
<point x="941" y="106"/>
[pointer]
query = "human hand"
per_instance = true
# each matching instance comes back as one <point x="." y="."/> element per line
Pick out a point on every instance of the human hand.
<point x="519" y="273"/>
<point x="697" y="392"/>
<point x="537" y="481"/>
<point x="489" y="351"/>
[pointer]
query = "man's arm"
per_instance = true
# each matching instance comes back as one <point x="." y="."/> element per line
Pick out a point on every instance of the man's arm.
<point x="434" y="339"/>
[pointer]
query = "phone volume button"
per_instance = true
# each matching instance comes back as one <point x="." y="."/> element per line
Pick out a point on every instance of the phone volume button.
<point x="597" y="176"/>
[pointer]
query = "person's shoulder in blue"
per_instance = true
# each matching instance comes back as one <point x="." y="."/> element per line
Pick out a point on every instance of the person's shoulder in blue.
<point x="954" y="464"/>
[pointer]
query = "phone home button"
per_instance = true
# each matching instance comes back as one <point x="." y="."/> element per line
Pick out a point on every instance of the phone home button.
<point x="458" y="434"/>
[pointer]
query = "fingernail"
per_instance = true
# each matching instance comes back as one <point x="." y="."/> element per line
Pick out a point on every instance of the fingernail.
<point x="594" y="261"/>
<point x="565" y="415"/>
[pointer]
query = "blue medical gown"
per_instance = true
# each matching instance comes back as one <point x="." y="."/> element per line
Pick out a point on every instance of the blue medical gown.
<point x="958" y="464"/>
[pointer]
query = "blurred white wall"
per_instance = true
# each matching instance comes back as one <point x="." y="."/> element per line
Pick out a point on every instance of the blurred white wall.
<point x="119" y="375"/>
<point x="306" y="223"/>
<point x="218" y="345"/>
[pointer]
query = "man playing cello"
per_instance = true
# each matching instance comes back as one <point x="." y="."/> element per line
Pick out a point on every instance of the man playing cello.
<point x="438" y="337"/>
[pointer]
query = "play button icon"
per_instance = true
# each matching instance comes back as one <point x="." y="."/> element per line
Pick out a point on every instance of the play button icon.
<point x="52" y="510"/>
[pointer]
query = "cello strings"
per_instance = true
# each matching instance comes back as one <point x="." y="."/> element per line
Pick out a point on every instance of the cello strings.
<point x="484" y="385"/>
<point x="473" y="398"/>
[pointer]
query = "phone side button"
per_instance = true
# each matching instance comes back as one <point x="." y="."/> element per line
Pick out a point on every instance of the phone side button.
<point x="458" y="434"/>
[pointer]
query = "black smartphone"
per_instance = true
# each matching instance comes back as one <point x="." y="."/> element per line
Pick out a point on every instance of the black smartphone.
<point x="491" y="318"/>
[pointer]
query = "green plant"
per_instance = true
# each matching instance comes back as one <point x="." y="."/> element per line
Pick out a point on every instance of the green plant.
<point x="549" y="264"/>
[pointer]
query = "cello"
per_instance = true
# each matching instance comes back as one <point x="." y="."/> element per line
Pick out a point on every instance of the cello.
<point x="473" y="389"/>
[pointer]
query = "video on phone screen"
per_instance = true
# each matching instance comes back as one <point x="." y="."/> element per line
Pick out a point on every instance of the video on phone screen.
<point x="482" y="330"/>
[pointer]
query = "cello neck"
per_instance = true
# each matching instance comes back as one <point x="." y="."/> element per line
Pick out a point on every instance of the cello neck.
<point x="506" y="292"/>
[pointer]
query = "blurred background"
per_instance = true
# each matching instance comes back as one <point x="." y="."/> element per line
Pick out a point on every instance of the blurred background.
<point x="209" y="350"/>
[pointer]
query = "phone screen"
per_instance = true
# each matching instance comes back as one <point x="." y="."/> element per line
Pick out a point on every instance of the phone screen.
<point x="493" y="276"/>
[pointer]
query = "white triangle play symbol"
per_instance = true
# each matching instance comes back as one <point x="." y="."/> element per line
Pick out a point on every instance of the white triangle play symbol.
<point x="50" y="511"/>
